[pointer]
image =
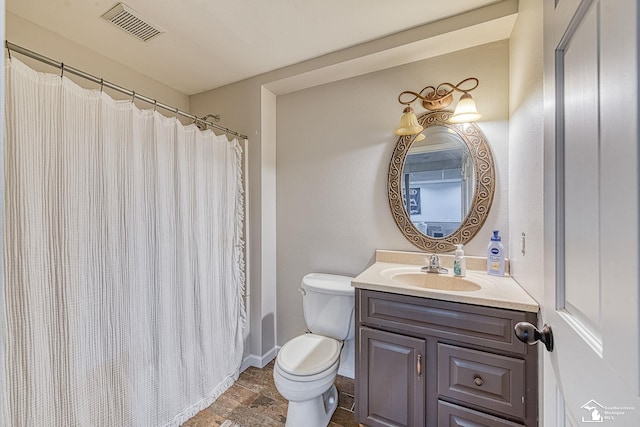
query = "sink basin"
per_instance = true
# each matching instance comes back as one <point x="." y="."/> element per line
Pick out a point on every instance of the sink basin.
<point x="438" y="282"/>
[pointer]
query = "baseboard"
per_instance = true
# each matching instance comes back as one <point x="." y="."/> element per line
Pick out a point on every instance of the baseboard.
<point x="259" y="361"/>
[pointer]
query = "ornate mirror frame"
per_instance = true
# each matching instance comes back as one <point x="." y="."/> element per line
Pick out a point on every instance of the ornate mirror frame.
<point x="484" y="187"/>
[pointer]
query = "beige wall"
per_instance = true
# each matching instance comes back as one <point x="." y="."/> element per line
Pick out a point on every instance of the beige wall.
<point x="526" y="148"/>
<point x="250" y="105"/>
<point x="334" y="143"/>
<point x="44" y="42"/>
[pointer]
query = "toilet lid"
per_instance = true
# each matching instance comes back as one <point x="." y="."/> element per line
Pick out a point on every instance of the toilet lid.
<point x="308" y="354"/>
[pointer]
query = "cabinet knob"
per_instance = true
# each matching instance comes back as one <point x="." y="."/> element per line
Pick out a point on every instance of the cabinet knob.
<point x="478" y="381"/>
<point x="529" y="334"/>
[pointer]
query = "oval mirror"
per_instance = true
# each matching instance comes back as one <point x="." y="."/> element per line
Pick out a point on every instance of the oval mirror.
<point x="450" y="178"/>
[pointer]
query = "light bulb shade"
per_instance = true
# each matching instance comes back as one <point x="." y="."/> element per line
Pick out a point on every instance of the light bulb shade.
<point x="408" y="123"/>
<point x="466" y="110"/>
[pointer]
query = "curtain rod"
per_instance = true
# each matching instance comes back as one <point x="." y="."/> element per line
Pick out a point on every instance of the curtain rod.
<point x="103" y="83"/>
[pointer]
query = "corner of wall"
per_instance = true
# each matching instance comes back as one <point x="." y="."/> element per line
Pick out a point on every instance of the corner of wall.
<point x="526" y="140"/>
<point x="268" y="218"/>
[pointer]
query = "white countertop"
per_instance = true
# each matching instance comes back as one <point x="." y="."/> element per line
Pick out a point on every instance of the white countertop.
<point x="500" y="292"/>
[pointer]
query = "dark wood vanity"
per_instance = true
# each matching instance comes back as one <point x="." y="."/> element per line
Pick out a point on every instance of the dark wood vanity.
<point x="427" y="362"/>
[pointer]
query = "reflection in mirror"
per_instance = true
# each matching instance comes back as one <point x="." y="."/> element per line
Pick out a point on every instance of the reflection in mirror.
<point x="439" y="174"/>
<point x="450" y="177"/>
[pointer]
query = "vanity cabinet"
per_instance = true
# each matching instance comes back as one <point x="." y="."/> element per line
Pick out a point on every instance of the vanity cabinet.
<point x="427" y="362"/>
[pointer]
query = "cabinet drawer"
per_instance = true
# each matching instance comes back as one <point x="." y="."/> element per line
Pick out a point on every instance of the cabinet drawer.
<point x="450" y="415"/>
<point x="483" y="379"/>
<point x="483" y="326"/>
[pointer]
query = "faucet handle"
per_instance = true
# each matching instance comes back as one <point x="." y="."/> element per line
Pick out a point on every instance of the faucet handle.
<point x="434" y="261"/>
<point x="434" y="265"/>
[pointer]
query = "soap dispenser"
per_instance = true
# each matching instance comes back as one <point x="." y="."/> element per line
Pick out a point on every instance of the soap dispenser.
<point x="495" y="256"/>
<point x="459" y="262"/>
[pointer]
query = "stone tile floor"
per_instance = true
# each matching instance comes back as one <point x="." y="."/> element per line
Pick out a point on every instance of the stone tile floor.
<point x="253" y="401"/>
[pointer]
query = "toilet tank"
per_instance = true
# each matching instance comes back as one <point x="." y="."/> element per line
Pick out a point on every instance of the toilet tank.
<point x="328" y="301"/>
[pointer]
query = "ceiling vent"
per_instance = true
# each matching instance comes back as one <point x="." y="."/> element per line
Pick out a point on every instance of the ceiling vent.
<point x="129" y="20"/>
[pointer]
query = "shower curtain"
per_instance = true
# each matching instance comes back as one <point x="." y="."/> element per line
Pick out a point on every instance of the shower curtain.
<point x="123" y="260"/>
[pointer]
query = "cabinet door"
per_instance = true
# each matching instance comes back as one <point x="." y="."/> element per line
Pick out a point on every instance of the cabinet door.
<point x="391" y="375"/>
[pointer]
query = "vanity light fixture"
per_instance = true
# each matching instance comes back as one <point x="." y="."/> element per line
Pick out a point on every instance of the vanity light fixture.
<point x="438" y="98"/>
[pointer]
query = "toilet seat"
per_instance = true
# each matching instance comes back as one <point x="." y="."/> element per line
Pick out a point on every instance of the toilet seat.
<point x="308" y="355"/>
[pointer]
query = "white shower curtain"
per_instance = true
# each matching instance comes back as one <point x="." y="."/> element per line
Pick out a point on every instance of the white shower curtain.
<point x="123" y="260"/>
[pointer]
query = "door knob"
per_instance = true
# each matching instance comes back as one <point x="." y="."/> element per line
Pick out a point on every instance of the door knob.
<point x="529" y="334"/>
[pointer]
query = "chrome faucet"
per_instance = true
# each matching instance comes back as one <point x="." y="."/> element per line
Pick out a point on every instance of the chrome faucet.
<point x="434" y="266"/>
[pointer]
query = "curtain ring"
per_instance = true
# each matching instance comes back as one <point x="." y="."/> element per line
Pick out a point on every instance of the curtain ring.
<point x="155" y="104"/>
<point x="101" y="84"/>
<point x="133" y="97"/>
<point x="177" y="113"/>
<point x="6" y="44"/>
<point x="61" y="69"/>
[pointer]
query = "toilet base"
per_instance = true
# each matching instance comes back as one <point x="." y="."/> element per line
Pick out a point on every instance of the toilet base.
<point x="316" y="412"/>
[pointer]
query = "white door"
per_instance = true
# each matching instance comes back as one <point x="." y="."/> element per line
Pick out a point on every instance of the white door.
<point x="591" y="213"/>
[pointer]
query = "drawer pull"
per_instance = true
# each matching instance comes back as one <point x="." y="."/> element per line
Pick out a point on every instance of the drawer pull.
<point x="478" y="381"/>
<point x="419" y="366"/>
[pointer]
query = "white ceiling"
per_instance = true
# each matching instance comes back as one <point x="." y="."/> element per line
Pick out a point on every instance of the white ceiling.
<point x="211" y="43"/>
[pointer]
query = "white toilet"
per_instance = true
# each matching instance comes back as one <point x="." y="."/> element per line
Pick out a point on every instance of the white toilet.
<point x="307" y="365"/>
